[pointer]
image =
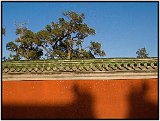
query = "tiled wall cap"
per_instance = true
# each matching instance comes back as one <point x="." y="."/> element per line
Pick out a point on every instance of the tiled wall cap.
<point x="92" y="65"/>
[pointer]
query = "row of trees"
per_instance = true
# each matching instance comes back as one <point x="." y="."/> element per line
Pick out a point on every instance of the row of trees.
<point x="58" y="40"/>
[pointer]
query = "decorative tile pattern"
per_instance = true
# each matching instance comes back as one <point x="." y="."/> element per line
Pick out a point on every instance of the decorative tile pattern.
<point x="92" y="65"/>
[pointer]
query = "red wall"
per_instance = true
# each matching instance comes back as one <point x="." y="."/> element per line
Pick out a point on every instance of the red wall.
<point x="109" y="99"/>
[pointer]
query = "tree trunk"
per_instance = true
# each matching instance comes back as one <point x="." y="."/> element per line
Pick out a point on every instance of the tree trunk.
<point x="69" y="48"/>
<point x="69" y="54"/>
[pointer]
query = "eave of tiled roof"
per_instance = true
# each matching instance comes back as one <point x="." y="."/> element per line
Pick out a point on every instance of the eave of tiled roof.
<point x="81" y="69"/>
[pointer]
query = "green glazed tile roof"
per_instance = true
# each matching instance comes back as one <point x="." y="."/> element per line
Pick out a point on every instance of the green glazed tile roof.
<point x="92" y="65"/>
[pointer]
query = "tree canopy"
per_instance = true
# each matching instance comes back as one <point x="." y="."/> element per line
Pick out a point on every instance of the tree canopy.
<point x="59" y="40"/>
<point x="142" y="53"/>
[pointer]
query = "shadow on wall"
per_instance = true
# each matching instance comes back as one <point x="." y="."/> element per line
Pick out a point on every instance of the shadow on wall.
<point x="81" y="108"/>
<point x="140" y="107"/>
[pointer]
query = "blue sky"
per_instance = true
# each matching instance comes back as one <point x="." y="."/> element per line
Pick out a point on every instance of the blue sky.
<point x="121" y="27"/>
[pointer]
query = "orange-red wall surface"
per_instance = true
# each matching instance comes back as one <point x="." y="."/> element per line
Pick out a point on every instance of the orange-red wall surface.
<point x="85" y="99"/>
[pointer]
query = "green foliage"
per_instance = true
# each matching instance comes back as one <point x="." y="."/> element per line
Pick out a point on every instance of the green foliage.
<point x="4" y="59"/>
<point x="3" y="31"/>
<point x="20" y="30"/>
<point x="26" y="47"/>
<point x="142" y="53"/>
<point x="11" y="46"/>
<point x="14" y="57"/>
<point x="58" y="40"/>
<point x="96" y="49"/>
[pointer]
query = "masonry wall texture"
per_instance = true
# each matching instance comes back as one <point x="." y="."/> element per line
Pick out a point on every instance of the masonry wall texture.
<point x="84" y="99"/>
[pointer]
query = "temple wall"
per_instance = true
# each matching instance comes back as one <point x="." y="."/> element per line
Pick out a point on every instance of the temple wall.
<point x="67" y="99"/>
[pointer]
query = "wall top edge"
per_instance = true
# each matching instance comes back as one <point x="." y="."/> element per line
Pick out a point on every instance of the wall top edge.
<point x="88" y="60"/>
<point x="80" y="76"/>
<point x="92" y="65"/>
